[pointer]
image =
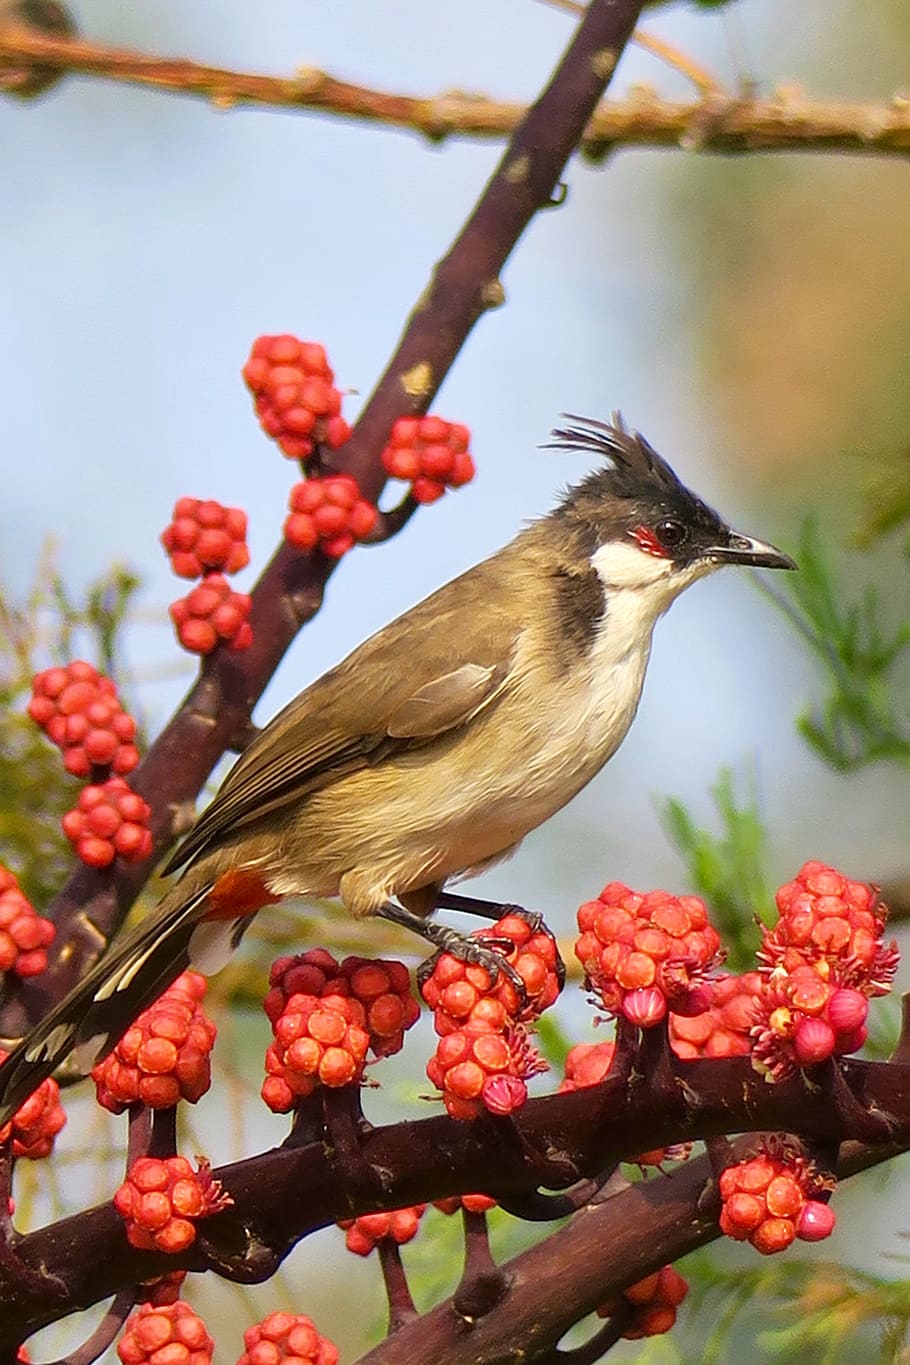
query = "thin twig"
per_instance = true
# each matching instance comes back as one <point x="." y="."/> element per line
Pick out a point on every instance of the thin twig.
<point x="789" y="121"/>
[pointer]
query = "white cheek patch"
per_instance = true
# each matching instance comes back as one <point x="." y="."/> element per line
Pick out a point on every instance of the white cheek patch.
<point x="623" y="564"/>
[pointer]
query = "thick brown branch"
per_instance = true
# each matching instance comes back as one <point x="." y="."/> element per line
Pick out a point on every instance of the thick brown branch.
<point x="283" y="1195"/>
<point x="723" y="123"/>
<point x="290" y="589"/>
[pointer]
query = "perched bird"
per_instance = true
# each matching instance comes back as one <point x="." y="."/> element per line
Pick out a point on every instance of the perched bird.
<point x="434" y="747"/>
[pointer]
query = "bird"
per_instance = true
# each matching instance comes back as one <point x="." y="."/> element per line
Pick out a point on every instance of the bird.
<point x="433" y="748"/>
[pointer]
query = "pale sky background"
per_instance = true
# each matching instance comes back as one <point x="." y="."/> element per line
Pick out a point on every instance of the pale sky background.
<point x="146" y="240"/>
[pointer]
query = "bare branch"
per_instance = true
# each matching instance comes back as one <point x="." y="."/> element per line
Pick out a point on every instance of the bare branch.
<point x="789" y="121"/>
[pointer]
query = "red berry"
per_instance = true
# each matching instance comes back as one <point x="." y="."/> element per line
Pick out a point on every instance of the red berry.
<point x="295" y="396"/>
<point x="330" y="513"/>
<point x="212" y="614"/>
<point x="109" y="819"/>
<point x="430" y="453"/>
<point x="36" y="1123"/>
<point x="165" y="1333"/>
<point x="79" y="710"/>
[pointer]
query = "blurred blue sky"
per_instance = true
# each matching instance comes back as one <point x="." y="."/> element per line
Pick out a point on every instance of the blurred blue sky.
<point x="147" y="239"/>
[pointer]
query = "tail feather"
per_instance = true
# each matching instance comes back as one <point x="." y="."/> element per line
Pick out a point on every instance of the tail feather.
<point x="89" y="1021"/>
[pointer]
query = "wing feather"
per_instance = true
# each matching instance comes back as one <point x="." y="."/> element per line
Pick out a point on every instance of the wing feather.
<point x="385" y="697"/>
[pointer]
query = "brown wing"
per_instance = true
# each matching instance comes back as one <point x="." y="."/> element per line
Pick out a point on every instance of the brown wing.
<point x="428" y="672"/>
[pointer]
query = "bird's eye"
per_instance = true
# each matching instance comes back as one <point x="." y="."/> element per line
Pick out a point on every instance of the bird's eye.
<point x="671" y="533"/>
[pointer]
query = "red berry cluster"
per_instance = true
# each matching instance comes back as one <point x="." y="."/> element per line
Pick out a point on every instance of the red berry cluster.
<point x="290" y="1337"/>
<point x="170" y="1334"/>
<point x="109" y="819"/>
<point x="822" y="961"/>
<point x="25" y="936"/>
<point x="724" y="1029"/>
<point x="383" y="988"/>
<point x="431" y="454"/>
<point x="654" y="1300"/>
<point x="802" y="1019"/>
<point x="399" y="1226"/>
<point x="325" y="1015"/>
<point x="645" y="954"/>
<point x="317" y="1040"/>
<point x="767" y="1200"/>
<point x="79" y="711"/>
<point x="164" y="1056"/>
<point x="295" y="396"/>
<point x="205" y="537"/>
<point x="212" y="614"/>
<point x="330" y="513"/>
<point x="35" y="1123"/>
<point x="471" y="1203"/>
<point x="484" y="1055"/>
<point x="834" y="924"/>
<point x="160" y="1199"/>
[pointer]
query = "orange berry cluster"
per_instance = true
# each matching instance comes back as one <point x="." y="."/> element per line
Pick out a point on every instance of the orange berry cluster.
<point x="325" y="1016"/>
<point x="295" y="396"/>
<point x="724" y="1028"/>
<point x="161" y="1198"/>
<point x="205" y="537"/>
<point x="382" y="986"/>
<point x="109" y="819"/>
<point x="431" y="454"/>
<point x="212" y="614"/>
<point x="35" y="1123"/>
<point x="330" y="513"/>
<point x="290" y="1337"/>
<point x="164" y="1056"/>
<point x="645" y="954"/>
<point x="834" y="924"/>
<point x="79" y="711"/>
<point x="484" y="1055"/>
<point x="821" y="962"/>
<point x="170" y="1334"/>
<point x="767" y="1201"/>
<point x="399" y="1225"/>
<point x="654" y="1299"/>
<point x="25" y="936"/>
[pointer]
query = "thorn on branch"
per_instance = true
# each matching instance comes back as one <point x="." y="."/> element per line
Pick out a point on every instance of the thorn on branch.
<point x="596" y="1347"/>
<point x="536" y="1207"/>
<point x="483" y="1285"/>
<point x="105" y="1333"/>
<point x="558" y="197"/>
<point x="856" y="1120"/>
<point x="389" y="523"/>
<point x="402" y="1309"/>
<point x="244" y="736"/>
<point x="252" y="1263"/>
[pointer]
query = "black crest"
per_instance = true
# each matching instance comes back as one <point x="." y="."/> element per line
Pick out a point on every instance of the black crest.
<point x="636" y="470"/>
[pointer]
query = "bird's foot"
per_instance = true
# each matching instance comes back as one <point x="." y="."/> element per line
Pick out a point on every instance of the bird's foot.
<point x="482" y="952"/>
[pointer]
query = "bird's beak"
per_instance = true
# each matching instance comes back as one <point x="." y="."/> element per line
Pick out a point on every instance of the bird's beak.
<point x="746" y="550"/>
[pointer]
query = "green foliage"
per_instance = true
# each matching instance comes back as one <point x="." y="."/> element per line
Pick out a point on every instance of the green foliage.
<point x="728" y="869"/>
<point x="48" y="626"/>
<point x="862" y="720"/>
<point x="817" y="1312"/>
<point x="888" y="506"/>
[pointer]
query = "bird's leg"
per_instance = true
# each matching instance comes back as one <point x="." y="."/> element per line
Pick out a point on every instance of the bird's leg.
<point x="496" y="910"/>
<point x="460" y="945"/>
<point x="473" y="905"/>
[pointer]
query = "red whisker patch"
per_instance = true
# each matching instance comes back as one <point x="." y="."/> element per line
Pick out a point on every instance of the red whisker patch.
<point x="647" y="540"/>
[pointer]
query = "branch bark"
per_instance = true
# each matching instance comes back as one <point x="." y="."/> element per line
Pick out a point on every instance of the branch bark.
<point x="286" y="1194"/>
<point x="719" y="122"/>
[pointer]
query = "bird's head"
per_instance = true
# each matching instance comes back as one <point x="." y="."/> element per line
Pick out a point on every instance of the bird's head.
<point x="638" y="524"/>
